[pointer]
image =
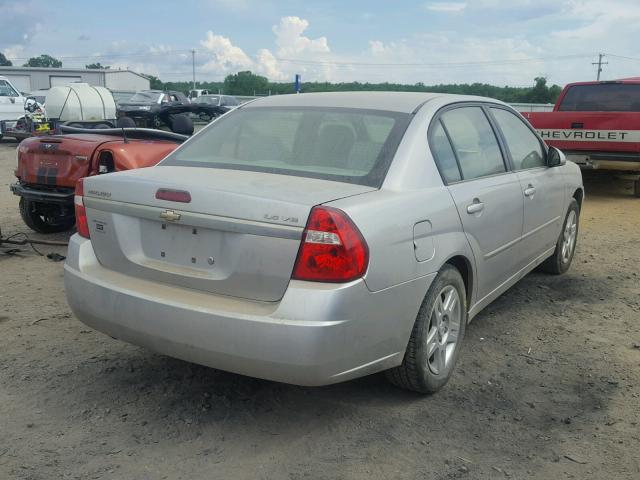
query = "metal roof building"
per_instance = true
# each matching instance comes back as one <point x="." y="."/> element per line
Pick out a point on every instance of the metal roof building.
<point x="28" y="79"/>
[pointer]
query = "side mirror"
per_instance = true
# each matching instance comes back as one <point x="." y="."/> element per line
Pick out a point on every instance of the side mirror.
<point x="555" y="158"/>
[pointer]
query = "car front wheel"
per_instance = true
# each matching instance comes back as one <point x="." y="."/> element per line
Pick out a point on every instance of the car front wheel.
<point x="436" y="337"/>
<point x="43" y="221"/>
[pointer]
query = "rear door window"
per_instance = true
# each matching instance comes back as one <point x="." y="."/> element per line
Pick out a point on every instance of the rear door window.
<point x="443" y="153"/>
<point x="474" y="142"/>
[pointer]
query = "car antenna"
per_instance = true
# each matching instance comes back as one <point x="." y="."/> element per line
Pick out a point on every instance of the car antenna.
<point x="124" y="136"/>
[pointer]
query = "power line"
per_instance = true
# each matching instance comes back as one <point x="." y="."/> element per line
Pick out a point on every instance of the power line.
<point x="111" y="55"/>
<point x="443" y="64"/>
<point x="635" y="59"/>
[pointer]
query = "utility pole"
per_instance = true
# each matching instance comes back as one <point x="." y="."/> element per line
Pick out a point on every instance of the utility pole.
<point x="599" y="63"/>
<point x="193" y="66"/>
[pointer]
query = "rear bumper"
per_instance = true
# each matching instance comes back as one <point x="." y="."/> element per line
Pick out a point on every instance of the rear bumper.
<point x="61" y="196"/>
<point x="620" y="161"/>
<point x="317" y="334"/>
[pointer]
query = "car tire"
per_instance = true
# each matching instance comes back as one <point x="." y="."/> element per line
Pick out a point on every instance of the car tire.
<point x="432" y="352"/>
<point x="562" y="257"/>
<point x="125" y="122"/>
<point x="38" y="223"/>
<point x="182" y="124"/>
<point x="636" y="187"/>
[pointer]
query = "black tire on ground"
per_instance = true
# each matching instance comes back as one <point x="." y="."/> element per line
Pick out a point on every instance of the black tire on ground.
<point x="125" y="122"/>
<point x="40" y="223"/>
<point x="636" y="187"/>
<point x="182" y="124"/>
<point x="415" y="372"/>
<point x="558" y="263"/>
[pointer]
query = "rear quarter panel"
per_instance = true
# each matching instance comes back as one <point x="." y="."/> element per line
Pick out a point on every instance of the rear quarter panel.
<point x="137" y="154"/>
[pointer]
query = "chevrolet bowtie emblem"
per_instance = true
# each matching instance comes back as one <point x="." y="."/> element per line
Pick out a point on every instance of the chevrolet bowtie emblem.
<point x="170" y="216"/>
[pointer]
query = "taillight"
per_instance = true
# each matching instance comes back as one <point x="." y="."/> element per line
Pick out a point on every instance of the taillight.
<point x="332" y="248"/>
<point x="82" y="225"/>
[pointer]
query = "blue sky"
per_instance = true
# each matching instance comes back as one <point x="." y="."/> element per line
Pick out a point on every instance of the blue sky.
<point x="493" y="41"/>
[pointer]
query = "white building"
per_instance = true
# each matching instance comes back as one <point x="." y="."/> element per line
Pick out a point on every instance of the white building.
<point x="29" y="79"/>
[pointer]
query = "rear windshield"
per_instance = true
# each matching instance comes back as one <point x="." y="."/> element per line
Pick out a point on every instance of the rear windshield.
<point x="604" y="97"/>
<point x="347" y="145"/>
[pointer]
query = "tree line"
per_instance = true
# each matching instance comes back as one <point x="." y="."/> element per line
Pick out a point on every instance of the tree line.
<point x="248" y="83"/>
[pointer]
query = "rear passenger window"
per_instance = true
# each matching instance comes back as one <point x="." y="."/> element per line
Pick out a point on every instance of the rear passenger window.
<point x="443" y="153"/>
<point x="474" y="142"/>
<point x="524" y="147"/>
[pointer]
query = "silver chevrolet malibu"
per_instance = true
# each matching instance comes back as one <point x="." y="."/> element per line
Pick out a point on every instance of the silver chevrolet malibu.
<point x="315" y="238"/>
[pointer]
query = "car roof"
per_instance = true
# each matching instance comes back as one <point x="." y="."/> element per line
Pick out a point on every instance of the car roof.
<point x="406" y="102"/>
<point x="630" y="80"/>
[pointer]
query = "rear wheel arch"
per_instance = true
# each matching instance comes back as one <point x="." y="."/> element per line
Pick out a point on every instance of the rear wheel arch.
<point x="579" y="196"/>
<point x="463" y="265"/>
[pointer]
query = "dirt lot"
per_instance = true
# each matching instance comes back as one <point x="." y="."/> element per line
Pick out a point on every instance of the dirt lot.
<point x="547" y="386"/>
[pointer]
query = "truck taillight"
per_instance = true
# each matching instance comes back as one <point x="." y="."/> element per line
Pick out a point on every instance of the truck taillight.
<point x="332" y="248"/>
<point x="82" y="225"/>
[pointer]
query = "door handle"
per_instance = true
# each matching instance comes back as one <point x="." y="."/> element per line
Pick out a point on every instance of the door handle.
<point x="476" y="207"/>
<point x="529" y="191"/>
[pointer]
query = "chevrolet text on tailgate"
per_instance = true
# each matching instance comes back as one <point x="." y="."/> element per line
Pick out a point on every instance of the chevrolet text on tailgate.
<point x="597" y="125"/>
<point x="315" y="238"/>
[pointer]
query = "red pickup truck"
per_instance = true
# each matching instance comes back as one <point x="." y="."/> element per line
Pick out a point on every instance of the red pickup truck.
<point x="597" y="126"/>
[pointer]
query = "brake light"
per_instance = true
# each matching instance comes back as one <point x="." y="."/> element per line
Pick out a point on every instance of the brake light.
<point x="82" y="225"/>
<point x="332" y="248"/>
<point x="173" y="195"/>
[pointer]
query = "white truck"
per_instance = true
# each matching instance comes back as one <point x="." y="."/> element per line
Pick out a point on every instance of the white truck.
<point x="11" y="105"/>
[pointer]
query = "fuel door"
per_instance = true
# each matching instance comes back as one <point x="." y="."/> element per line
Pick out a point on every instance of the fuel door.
<point x="423" y="246"/>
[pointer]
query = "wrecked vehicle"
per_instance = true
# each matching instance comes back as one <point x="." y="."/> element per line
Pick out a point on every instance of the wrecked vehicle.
<point x="220" y="104"/>
<point x="157" y="109"/>
<point x="49" y="167"/>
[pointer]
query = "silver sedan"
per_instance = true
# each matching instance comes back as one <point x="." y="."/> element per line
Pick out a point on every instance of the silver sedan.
<point x="315" y="238"/>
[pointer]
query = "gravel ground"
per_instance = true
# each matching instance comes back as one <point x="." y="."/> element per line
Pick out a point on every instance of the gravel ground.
<point x="547" y="386"/>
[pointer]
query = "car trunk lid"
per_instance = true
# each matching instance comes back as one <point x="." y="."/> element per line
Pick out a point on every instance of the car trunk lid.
<point x="238" y="235"/>
<point x="57" y="161"/>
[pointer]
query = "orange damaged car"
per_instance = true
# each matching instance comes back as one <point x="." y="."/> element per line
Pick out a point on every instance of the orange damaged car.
<point x="49" y="167"/>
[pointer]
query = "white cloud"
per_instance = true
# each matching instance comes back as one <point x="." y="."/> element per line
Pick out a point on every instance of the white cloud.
<point x="267" y="65"/>
<point x="446" y="7"/>
<point x="14" y="51"/>
<point x="291" y="42"/>
<point x="224" y="56"/>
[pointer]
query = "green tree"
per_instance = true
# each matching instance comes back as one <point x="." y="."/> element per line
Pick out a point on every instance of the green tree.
<point x="154" y="82"/>
<point x="540" y="92"/>
<point x="4" y="61"/>
<point x="43" y="61"/>
<point x="245" y="83"/>
<point x="97" y="66"/>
